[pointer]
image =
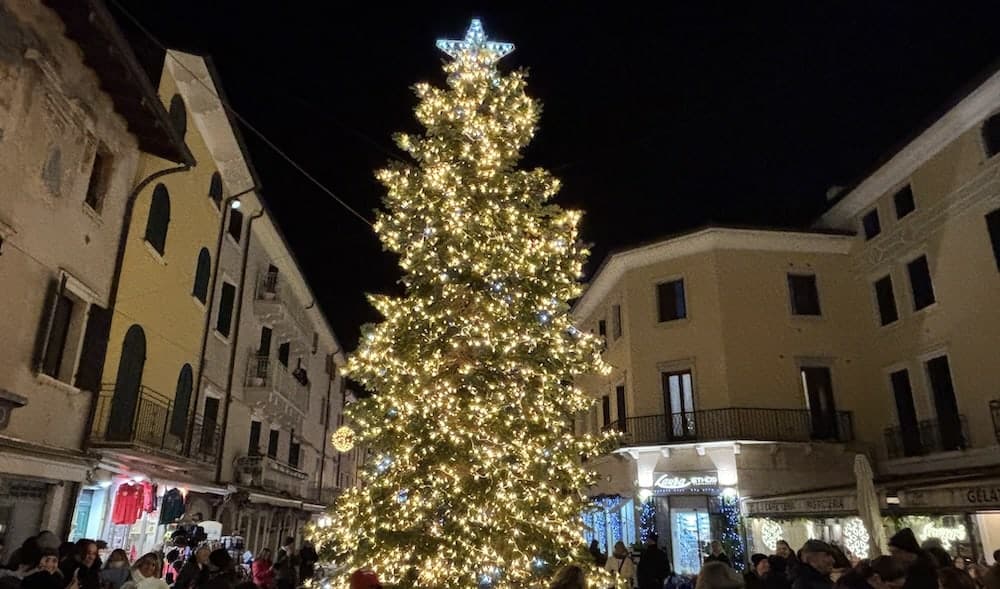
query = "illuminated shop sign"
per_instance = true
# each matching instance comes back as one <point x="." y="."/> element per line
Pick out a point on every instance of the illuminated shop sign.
<point x="984" y="496"/>
<point x="806" y="505"/>
<point x="686" y="481"/>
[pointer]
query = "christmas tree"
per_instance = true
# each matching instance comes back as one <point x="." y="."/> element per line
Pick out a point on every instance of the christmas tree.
<point x="475" y="475"/>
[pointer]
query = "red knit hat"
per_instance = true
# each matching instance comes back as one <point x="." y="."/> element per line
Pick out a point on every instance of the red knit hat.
<point x="365" y="579"/>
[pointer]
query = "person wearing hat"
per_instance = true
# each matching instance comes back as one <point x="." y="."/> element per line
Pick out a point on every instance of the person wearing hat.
<point x="815" y="566"/>
<point x="759" y="575"/>
<point x="47" y="574"/>
<point x="920" y="570"/>
<point x="221" y="571"/>
<point x="365" y="579"/>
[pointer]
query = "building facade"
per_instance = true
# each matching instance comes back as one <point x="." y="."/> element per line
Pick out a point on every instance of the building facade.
<point x="76" y="116"/>
<point x="927" y="258"/>
<point x="757" y="364"/>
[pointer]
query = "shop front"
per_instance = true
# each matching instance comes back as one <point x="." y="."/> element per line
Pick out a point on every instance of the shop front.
<point x="964" y="516"/>
<point x="831" y="516"/>
<point x="610" y="519"/>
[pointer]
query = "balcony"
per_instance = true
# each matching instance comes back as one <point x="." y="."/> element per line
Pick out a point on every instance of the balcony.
<point x="930" y="436"/>
<point x="276" y="304"/>
<point x="270" y="474"/>
<point x="271" y="387"/>
<point x="147" y="423"/>
<point x="736" y="423"/>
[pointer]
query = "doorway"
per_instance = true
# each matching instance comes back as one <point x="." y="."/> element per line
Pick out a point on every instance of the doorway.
<point x="817" y="384"/>
<point x="678" y="405"/>
<point x="690" y="529"/>
<point x="209" y="421"/>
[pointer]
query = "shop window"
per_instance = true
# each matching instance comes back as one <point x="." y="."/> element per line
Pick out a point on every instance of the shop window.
<point x="870" y="224"/>
<point x="804" y="294"/>
<point x="159" y="219"/>
<point x="671" y="300"/>
<point x="921" y="285"/>
<point x="886" y="299"/>
<point x="904" y="202"/>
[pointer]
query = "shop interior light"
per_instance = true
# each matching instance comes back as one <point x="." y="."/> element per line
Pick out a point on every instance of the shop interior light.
<point x="644" y="494"/>
<point x="892" y="499"/>
<point x="730" y="492"/>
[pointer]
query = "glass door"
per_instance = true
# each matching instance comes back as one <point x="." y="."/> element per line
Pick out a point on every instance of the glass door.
<point x="678" y="405"/>
<point x="690" y="529"/>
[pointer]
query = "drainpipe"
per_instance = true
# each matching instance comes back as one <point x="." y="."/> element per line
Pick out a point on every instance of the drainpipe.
<point x="117" y="274"/>
<point x="193" y="408"/>
<point x="235" y="344"/>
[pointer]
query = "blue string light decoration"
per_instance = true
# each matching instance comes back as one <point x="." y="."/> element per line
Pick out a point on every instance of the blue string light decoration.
<point x="732" y="539"/>
<point x="647" y="520"/>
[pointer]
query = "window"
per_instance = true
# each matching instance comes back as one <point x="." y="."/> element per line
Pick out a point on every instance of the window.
<point x="272" y="443"/>
<point x="817" y="385"/>
<point x="294" y="449"/>
<point x="182" y="400"/>
<point x="949" y="421"/>
<point x="235" y="224"/>
<point x="870" y="224"/>
<point x="620" y="401"/>
<point x="616" y="321"/>
<point x="906" y="413"/>
<point x="100" y="178"/>
<point x="315" y="345"/>
<point x="804" y="294"/>
<point x="202" y="274"/>
<point x="253" y="448"/>
<point x="886" y="299"/>
<point x="210" y="431"/>
<point x="283" y="351"/>
<point x="670" y="300"/>
<point x="605" y="411"/>
<point x="159" y="219"/>
<point x="58" y="335"/>
<point x="678" y="404"/>
<point x="178" y="114"/>
<point x="264" y="347"/>
<point x="602" y="328"/>
<point x="215" y="189"/>
<point x="224" y="321"/>
<point x="991" y="135"/>
<point x="920" y="283"/>
<point x="993" y="227"/>
<point x="71" y="331"/>
<point x="904" y="202"/>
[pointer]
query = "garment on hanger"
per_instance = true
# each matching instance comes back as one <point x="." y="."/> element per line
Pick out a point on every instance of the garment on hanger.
<point x="128" y="504"/>
<point x="172" y="506"/>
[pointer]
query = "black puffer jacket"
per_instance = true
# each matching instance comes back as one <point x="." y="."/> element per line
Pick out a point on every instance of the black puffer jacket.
<point x="805" y="577"/>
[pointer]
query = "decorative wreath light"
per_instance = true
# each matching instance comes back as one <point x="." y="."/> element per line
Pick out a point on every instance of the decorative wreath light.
<point x="343" y="439"/>
<point x="770" y="533"/>
<point x="856" y="537"/>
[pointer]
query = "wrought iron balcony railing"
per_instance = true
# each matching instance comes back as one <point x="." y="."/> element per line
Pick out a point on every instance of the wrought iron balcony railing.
<point x="271" y="474"/>
<point x="144" y="418"/>
<point x="737" y="423"/>
<point x="264" y="372"/>
<point x="929" y="436"/>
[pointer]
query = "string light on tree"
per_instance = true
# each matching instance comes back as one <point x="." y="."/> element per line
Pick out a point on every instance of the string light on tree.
<point x="475" y="476"/>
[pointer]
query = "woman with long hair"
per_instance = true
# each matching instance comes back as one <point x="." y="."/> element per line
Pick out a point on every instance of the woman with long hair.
<point x="116" y="570"/>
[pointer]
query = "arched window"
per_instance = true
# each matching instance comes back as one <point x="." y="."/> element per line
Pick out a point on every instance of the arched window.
<point x="178" y="114"/>
<point x="235" y="224"/>
<point x="991" y="135"/>
<point x="125" y="401"/>
<point x="202" y="273"/>
<point x="215" y="189"/>
<point x="182" y="401"/>
<point x="159" y="219"/>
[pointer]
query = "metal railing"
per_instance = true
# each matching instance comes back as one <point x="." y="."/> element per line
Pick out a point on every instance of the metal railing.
<point x="928" y="437"/>
<point x="737" y="423"/>
<point x="150" y="421"/>
<point x="271" y="474"/>
<point x="263" y="372"/>
<point x="272" y="287"/>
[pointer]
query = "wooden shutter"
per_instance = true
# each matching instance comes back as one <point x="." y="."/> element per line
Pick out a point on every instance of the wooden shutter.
<point x="95" y="347"/>
<point x="53" y="291"/>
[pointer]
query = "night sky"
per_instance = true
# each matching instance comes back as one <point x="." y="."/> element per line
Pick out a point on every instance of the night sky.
<point x="657" y="122"/>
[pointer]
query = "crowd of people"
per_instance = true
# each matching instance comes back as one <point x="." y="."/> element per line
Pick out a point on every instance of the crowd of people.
<point x="43" y="562"/>
<point x="816" y="565"/>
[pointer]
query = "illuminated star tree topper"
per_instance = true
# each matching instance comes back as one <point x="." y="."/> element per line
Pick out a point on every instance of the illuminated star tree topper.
<point x="474" y="477"/>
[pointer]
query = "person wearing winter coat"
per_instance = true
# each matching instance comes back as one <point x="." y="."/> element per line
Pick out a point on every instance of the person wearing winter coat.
<point x="718" y="575"/>
<point x="116" y="571"/>
<point x="221" y="571"/>
<point x="263" y="573"/>
<point x="620" y="564"/>
<point x="814" y="568"/>
<point x="47" y="574"/>
<point x="879" y="573"/>
<point x="144" y="574"/>
<point x="920" y="570"/>
<point x="194" y="571"/>
<point x="718" y="554"/>
<point x="654" y="566"/>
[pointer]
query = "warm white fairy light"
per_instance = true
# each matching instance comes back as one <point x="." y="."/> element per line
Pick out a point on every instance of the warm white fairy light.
<point x="343" y="439"/>
<point x="474" y="474"/>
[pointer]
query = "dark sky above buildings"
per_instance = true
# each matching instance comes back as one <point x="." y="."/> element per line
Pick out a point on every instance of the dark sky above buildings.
<point x="657" y="119"/>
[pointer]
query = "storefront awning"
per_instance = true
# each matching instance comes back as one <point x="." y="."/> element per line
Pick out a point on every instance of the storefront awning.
<point x="172" y="479"/>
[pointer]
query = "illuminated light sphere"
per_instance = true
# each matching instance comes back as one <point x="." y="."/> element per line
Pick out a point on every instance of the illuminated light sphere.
<point x="343" y="439"/>
<point x="856" y="537"/>
<point x="770" y="533"/>
<point x="475" y="42"/>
